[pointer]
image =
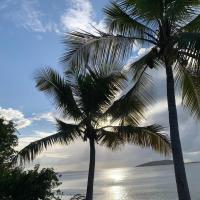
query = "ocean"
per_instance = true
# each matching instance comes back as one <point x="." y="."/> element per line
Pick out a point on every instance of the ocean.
<point x="142" y="183"/>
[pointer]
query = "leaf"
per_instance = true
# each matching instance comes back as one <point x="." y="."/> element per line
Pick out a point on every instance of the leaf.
<point x="192" y="26"/>
<point x="150" y="59"/>
<point x="188" y="46"/>
<point x="149" y="136"/>
<point x="98" y="88"/>
<point x="50" y="82"/>
<point x="66" y="133"/>
<point x="85" y="48"/>
<point x="190" y="86"/>
<point x="180" y="11"/>
<point x="149" y="10"/>
<point x="120" y="20"/>
<point x="189" y="41"/>
<point x="132" y="105"/>
<point x="110" y="139"/>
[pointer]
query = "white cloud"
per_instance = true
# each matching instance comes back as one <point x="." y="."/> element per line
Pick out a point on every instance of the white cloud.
<point x="31" y="18"/>
<point x="48" y="116"/>
<point x="28" y="15"/>
<point x="16" y="116"/>
<point x="143" y="51"/>
<point x="42" y="134"/>
<point x="24" y="141"/>
<point x="137" y="54"/>
<point x="160" y="107"/>
<point x="23" y="123"/>
<point x="80" y="16"/>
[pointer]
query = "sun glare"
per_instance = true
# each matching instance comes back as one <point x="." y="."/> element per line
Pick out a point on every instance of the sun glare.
<point x="117" y="193"/>
<point x="116" y="175"/>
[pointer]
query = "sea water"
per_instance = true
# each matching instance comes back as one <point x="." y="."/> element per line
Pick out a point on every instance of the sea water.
<point x="136" y="183"/>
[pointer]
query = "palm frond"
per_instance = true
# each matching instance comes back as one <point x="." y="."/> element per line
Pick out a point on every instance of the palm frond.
<point x="121" y="21"/>
<point x="98" y="88"/>
<point x="66" y="133"/>
<point x="131" y="106"/>
<point x="149" y="10"/>
<point x="149" y="136"/>
<point x="188" y="59"/>
<point x="188" y="46"/>
<point x="190" y="84"/>
<point x="150" y="59"/>
<point x="84" y="48"/>
<point x="49" y="81"/>
<point x="110" y="139"/>
<point x="192" y="26"/>
<point x="189" y="41"/>
<point x="180" y="10"/>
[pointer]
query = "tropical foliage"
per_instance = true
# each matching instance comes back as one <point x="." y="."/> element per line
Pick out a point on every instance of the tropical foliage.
<point x="17" y="184"/>
<point x="8" y="141"/>
<point x="91" y="99"/>
<point x="170" y="29"/>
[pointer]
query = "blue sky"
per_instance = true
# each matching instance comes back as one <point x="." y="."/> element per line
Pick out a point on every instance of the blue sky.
<point x="31" y="34"/>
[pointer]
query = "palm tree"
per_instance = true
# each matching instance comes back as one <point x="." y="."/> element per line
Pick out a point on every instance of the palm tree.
<point x="171" y="29"/>
<point x="88" y="97"/>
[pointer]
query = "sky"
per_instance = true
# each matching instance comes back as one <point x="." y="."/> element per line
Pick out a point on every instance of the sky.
<point x="31" y="37"/>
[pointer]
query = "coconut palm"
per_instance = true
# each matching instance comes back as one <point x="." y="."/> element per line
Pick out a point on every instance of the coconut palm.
<point x="89" y="98"/>
<point x="171" y="29"/>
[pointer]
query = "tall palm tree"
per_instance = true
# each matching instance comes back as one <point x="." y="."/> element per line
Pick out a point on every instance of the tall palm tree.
<point x="171" y="29"/>
<point x="89" y="99"/>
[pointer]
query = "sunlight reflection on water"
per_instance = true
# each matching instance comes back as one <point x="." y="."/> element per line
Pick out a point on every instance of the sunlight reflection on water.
<point x="116" y="175"/>
<point x="117" y="193"/>
<point x="152" y="183"/>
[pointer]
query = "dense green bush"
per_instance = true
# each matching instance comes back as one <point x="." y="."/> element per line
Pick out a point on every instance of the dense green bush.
<point x="16" y="183"/>
<point x="8" y="141"/>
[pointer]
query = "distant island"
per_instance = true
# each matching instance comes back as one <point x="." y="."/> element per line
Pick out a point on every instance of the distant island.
<point x="161" y="162"/>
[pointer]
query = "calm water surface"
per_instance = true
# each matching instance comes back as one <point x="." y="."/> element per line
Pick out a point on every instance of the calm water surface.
<point x="145" y="183"/>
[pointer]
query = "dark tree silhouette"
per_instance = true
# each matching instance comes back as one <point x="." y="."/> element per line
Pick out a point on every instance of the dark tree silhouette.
<point x="17" y="184"/>
<point x="89" y="98"/>
<point x="171" y="28"/>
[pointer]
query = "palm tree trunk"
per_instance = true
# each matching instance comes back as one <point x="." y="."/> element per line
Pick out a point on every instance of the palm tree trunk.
<point x="179" y="168"/>
<point x="89" y="194"/>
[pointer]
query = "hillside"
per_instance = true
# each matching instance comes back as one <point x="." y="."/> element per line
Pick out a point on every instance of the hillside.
<point x="162" y="162"/>
<point x="155" y="163"/>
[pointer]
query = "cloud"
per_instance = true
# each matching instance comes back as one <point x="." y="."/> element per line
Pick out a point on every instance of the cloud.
<point x="28" y="15"/>
<point x="21" y="121"/>
<point x="16" y="116"/>
<point x="160" y="107"/>
<point x="31" y="15"/>
<point x="80" y="16"/>
<point x="143" y="51"/>
<point x="4" y="4"/>
<point x="25" y="140"/>
<point x="48" y="116"/>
